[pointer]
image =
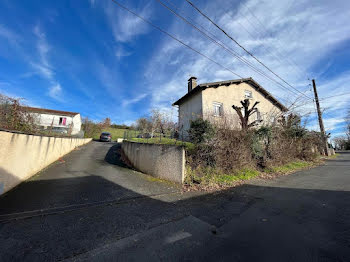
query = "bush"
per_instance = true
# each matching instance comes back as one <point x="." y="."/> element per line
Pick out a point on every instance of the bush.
<point x="14" y="116"/>
<point x="221" y="155"/>
<point x="91" y="128"/>
<point x="201" y="131"/>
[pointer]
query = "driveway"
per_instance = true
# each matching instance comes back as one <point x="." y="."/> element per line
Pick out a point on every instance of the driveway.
<point x="88" y="208"/>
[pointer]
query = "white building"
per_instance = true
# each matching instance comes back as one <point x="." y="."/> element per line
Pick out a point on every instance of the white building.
<point x="58" y="121"/>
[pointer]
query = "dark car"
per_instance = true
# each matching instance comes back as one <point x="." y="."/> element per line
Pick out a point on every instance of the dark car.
<point x="145" y="135"/>
<point x="106" y="137"/>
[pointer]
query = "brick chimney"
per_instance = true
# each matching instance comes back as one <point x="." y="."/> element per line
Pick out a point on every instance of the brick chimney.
<point x="192" y="83"/>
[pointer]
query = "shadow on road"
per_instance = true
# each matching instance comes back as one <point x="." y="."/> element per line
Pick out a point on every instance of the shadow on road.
<point x="69" y="216"/>
<point x="113" y="156"/>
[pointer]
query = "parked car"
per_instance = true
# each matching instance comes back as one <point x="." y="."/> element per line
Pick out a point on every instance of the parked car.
<point x="106" y="137"/>
<point x="145" y="135"/>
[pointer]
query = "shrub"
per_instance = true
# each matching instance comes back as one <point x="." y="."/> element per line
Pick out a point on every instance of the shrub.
<point x="91" y="128"/>
<point x="201" y="131"/>
<point x="14" y="116"/>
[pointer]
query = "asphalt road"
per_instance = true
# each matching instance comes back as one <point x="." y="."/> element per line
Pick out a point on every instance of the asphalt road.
<point x="87" y="207"/>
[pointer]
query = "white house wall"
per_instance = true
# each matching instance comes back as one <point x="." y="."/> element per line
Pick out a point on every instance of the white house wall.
<point x="233" y="95"/>
<point x="76" y="124"/>
<point x="48" y="120"/>
<point x="189" y="110"/>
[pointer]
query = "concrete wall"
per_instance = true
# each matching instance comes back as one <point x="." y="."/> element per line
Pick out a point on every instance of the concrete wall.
<point x="22" y="156"/>
<point x="162" y="161"/>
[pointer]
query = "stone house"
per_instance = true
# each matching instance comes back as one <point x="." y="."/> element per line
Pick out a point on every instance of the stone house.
<point x="213" y="102"/>
<point x="58" y="121"/>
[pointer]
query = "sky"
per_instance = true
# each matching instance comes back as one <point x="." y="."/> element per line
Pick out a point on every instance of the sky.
<point x="95" y="58"/>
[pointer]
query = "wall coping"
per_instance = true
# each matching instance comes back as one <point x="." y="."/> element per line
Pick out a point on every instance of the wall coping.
<point x="34" y="134"/>
<point x="143" y="143"/>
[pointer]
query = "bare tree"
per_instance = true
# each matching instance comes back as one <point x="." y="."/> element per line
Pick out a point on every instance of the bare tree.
<point x="143" y="124"/>
<point x="106" y="122"/>
<point x="244" y="116"/>
<point x="161" y="122"/>
<point x="340" y="142"/>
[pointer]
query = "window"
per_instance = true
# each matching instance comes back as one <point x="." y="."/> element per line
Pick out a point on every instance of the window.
<point x="258" y="115"/>
<point x="62" y="121"/>
<point x="248" y="94"/>
<point x="217" y="109"/>
<point x="272" y="120"/>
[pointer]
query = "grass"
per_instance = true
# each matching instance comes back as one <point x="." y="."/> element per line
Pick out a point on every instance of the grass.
<point x="333" y="156"/>
<point x="163" y="141"/>
<point x="115" y="132"/>
<point x="290" y="167"/>
<point x="209" y="177"/>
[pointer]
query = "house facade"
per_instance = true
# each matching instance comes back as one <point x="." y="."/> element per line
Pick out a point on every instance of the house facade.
<point x="58" y="121"/>
<point x="213" y="102"/>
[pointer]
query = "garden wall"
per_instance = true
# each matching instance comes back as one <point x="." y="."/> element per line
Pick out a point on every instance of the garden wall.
<point x="22" y="156"/>
<point x="161" y="161"/>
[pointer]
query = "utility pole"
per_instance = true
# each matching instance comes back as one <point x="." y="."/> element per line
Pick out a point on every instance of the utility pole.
<point x="320" y="121"/>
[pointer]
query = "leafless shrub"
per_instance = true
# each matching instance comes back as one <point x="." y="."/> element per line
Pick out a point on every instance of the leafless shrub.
<point x="91" y="128"/>
<point x="13" y="116"/>
<point x="234" y="149"/>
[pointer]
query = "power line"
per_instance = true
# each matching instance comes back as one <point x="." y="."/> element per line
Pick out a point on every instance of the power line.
<point x="322" y="99"/>
<point x="204" y="15"/>
<point x="232" y="52"/>
<point x="347" y="93"/>
<point x="291" y="62"/>
<point x="280" y="57"/>
<point x="173" y="37"/>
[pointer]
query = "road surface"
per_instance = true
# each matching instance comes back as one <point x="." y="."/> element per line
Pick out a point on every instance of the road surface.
<point x="86" y="207"/>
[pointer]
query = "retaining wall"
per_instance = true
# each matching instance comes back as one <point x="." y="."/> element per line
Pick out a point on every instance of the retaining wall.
<point x="22" y="156"/>
<point x="162" y="161"/>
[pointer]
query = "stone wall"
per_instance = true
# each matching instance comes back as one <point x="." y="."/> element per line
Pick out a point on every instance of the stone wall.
<point x="22" y="156"/>
<point x="161" y="161"/>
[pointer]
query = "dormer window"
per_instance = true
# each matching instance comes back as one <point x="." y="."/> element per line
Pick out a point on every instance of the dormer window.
<point x="248" y="94"/>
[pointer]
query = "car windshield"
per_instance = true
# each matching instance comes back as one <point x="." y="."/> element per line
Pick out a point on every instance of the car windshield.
<point x="105" y="134"/>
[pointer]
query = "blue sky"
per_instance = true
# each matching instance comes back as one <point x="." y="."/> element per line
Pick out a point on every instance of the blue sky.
<point x="95" y="58"/>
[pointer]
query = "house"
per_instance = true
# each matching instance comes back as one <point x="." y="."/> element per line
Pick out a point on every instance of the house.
<point x="213" y="102"/>
<point x="58" y="121"/>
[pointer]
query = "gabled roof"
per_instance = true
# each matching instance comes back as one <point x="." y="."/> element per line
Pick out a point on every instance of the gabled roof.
<point x="250" y="81"/>
<point x="48" y="111"/>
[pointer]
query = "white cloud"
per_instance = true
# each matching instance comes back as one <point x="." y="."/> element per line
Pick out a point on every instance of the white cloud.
<point x="120" y="52"/>
<point x="134" y="100"/>
<point x="125" y="26"/>
<point x="55" y="91"/>
<point x="8" y="34"/>
<point x="43" y="66"/>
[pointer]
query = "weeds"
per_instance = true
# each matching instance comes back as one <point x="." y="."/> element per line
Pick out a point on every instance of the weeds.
<point x="232" y="156"/>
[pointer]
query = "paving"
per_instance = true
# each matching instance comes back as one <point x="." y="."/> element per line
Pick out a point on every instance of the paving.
<point x="88" y="207"/>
